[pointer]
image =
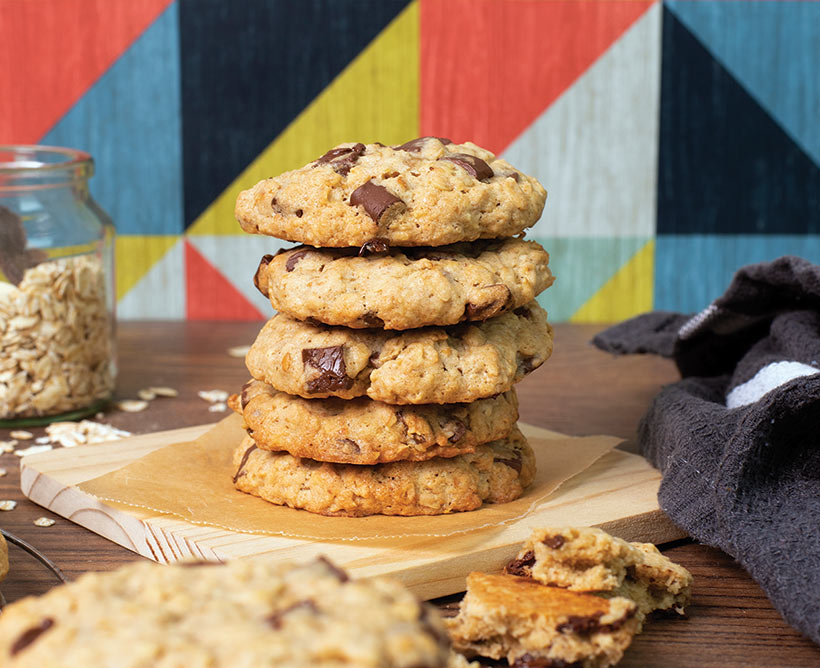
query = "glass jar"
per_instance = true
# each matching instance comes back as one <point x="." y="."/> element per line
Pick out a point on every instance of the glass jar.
<point x="56" y="288"/>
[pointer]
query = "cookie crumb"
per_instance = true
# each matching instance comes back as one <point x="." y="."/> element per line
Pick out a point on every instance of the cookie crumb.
<point x="8" y="504"/>
<point x="44" y="522"/>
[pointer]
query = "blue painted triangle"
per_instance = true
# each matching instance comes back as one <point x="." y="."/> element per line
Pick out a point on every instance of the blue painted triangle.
<point x="582" y="265"/>
<point x="724" y="165"/>
<point x="129" y="122"/>
<point x="773" y="49"/>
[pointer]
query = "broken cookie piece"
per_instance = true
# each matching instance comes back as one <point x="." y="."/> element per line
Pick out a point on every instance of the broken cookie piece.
<point x="504" y="616"/>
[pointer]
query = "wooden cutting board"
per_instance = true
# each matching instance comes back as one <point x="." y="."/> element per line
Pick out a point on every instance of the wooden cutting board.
<point x="617" y="493"/>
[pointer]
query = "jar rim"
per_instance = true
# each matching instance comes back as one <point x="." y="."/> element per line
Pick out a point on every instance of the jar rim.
<point x="72" y="158"/>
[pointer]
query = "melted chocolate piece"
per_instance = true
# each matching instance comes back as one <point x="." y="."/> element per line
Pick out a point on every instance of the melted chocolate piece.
<point x="30" y="635"/>
<point x="330" y="362"/>
<point x="349" y="445"/>
<point x="501" y="298"/>
<point x="530" y="661"/>
<point x="372" y="320"/>
<point x="514" y="462"/>
<point x="293" y="260"/>
<point x="415" y="145"/>
<point x="299" y="213"/>
<point x="521" y="566"/>
<point x="338" y="572"/>
<point x="475" y="166"/>
<point x="527" y="365"/>
<point x="376" y="246"/>
<point x="264" y="262"/>
<point x="342" y="159"/>
<point x="459" y="429"/>
<point x="243" y="462"/>
<point x="580" y="624"/>
<point x="375" y="199"/>
<point x="275" y="620"/>
<point x="243" y="396"/>
<point x="555" y="542"/>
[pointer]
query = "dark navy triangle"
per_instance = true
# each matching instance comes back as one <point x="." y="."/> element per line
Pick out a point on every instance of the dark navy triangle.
<point x="250" y="67"/>
<point x="725" y="166"/>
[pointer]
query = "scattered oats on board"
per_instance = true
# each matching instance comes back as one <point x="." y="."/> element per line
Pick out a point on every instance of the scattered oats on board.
<point x="213" y="396"/>
<point x="42" y="440"/>
<point x="164" y="391"/>
<point x="146" y="394"/>
<point x="69" y="434"/>
<point x="239" y="351"/>
<point x="132" y="405"/>
<point x="8" y="505"/>
<point x="7" y="446"/>
<point x="21" y="435"/>
<point x="218" y="407"/>
<point x="3" y="472"/>
<point x="33" y="450"/>
<point x="44" y="522"/>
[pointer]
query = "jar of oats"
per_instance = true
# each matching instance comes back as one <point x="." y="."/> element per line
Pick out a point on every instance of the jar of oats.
<point x="56" y="287"/>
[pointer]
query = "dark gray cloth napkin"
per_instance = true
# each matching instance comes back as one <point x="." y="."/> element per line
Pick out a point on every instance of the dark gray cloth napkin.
<point x="738" y="438"/>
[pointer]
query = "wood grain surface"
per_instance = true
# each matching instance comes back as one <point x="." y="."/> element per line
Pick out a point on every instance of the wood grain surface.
<point x="579" y="391"/>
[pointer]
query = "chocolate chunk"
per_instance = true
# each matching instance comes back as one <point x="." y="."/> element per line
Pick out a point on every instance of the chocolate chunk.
<point x="259" y="278"/>
<point x="338" y="572"/>
<point x="243" y="462"/>
<point x="521" y="566"/>
<point x="243" y="397"/>
<point x="376" y="246"/>
<point x="342" y="159"/>
<point x="555" y="542"/>
<point x="522" y="311"/>
<point x="513" y="175"/>
<point x="530" y="661"/>
<point x="30" y="635"/>
<point x="293" y="260"/>
<point x="498" y="298"/>
<point x="14" y="258"/>
<point x="514" y="462"/>
<point x="350" y="445"/>
<point x="375" y="199"/>
<point x="526" y="365"/>
<point x="372" y="320"/>
<point x="475" y="166"/>
<point x="330" y="362"/>
<point x="415" y="145"/>
<point x="299" y="213"/>
<point x="580" y="624"/>
<point x="275" y="620"/>
<point x="459" y="429"/>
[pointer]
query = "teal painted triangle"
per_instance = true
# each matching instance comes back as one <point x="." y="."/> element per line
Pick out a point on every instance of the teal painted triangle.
<point x="582" y="265"/>
<point x="773" y="50"/>
<point x="129" y="121"/>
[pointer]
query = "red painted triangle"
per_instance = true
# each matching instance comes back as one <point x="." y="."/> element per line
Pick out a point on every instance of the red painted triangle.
<point x="52" y="52"/>
<point x="209" y="295"/>
<point x="489" y="69"/>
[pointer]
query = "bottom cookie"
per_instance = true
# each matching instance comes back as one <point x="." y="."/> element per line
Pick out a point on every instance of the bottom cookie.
<point x="496" y="472"/>
<point x="529" y="624"/>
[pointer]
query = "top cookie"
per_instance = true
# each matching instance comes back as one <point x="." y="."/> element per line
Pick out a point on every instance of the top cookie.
<point x="246" y="614"/>
<point x="427" y="192"/>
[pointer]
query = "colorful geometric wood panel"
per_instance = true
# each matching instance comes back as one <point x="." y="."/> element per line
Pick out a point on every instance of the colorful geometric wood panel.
<point x="678" y="139"/>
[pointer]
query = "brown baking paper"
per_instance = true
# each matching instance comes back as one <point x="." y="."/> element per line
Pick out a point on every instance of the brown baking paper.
<point x="193" y="482"/>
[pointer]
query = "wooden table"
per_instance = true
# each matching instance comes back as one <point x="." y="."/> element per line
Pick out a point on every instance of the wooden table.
<point x="579" y="391"/>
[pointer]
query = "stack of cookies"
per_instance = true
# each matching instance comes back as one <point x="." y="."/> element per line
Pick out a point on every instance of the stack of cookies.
<point x="384" y="383"/>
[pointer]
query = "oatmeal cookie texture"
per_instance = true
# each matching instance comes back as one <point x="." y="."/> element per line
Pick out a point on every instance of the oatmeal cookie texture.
<point x="405" y="288"/>
<point x="55" y="334"/>
<point x="496" y="472"/>
<point x="425" y="366"/>
<point x="241" y="615"/>
<point x="4" y="557"/>
<point x="426" y="192"/>
<point x="529" y="624"/>
<point x="589" y="559"/>
<point x="364" y="431"/>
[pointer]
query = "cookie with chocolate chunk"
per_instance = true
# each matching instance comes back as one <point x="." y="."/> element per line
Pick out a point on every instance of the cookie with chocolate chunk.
<point x="426" y="192"/>
<point x="589" y="559"/>
<point x="496" y="472"/>
<point x="363" y="431"/>
<point x="513" y="618"/>
<point x="253" y="612"/>
<point x="433" y="365"/>
<point x="407" y="288"/>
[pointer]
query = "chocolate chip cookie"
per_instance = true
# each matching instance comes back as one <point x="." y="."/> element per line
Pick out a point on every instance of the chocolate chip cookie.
<point x="529" y="624"/>
<point x="589" y="559"/>
<point x="407" y="288"/>
<point x="427" y="192"/>
<point x="496" y="472"/>
<point x="363" y="431"/>
<point x="432" y="365"/>
<point x="245" y="613"/>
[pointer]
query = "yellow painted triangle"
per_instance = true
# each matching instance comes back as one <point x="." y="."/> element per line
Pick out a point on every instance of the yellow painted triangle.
<point x="375" y="98"/>
<point x="135" y="255"/>
<point x="628" y="293"/>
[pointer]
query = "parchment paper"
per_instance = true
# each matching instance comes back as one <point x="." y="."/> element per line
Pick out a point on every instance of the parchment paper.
<point x="193" y="482"/>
